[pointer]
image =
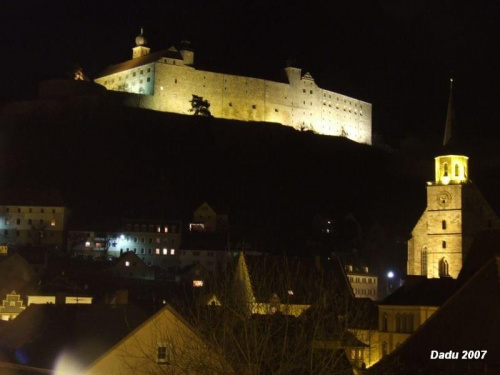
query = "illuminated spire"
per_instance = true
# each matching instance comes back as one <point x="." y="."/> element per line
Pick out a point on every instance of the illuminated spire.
<point x="450" y="117"/>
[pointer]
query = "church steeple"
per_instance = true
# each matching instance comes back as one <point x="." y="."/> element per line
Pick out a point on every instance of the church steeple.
<point x="450" y="117"/>
<point x="451" y="168"/>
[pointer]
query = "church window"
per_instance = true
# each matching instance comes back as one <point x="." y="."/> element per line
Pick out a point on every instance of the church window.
<point x="445" y="170"/>
<point x="276" y="110"/>
<point x="424" y="261"/>
<point x="444" y="244"/>
<point x="443" y="224"/>
<point x="444" y="269"/>
<point x="254" y="106"/>
<point x="303" y="90"/>
<point x="457" y="170"/>
<point x="175" y="80"/>
<point x="230" y="104"/>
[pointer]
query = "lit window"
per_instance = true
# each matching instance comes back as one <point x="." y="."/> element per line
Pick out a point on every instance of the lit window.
<point x="197" y="283"/>
<point x="166" y="229"/>
<point x="53" y="223"/>
<point x="290" y="292"/>
<point x="172" y="251"/>
<point x="87" y="244"/>
<point x="158" y="229"/>
<point x="165" y="251"/>
<point x="157" y="251"/>
<point x="127" y="263"/>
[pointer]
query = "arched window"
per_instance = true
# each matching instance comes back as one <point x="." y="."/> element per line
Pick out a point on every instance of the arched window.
<point x="443" y="224"/>
<point x="457" y="170"/>
<point x="444" y="244"/>
<point x="445" y="169"/>
<point x="444" y="268"/>
<point x="424" y="261"/>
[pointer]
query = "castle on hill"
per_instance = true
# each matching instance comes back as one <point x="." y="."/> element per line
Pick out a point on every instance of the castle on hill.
<point x="167" y="80"/>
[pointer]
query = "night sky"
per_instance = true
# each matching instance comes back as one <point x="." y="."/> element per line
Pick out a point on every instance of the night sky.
<point x="398" y="55"/>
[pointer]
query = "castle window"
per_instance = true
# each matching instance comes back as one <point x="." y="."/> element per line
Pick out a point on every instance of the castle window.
<point x="142" y="71"/>
<point x="133" y="74"/>
<point x="303" y="90"/>
<point x="444" y="244"/>
<point x="443" y="224"/>
<point x="310" y="91"/>
<point x="149" y="79"/>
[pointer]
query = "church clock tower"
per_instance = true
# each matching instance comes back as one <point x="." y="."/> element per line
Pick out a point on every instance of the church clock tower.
<point x="456" y="211"/>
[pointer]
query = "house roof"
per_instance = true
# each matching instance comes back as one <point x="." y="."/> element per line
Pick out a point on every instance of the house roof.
<point x="421" y="291"/>
<point x="45" y="332"/>
<point x="296" y="280"/>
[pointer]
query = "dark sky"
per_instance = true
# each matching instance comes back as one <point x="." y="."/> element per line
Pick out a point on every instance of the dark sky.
<point x="398" y="55"/>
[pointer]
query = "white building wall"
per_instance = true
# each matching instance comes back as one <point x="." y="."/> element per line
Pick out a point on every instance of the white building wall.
<point x="301" y="104"/>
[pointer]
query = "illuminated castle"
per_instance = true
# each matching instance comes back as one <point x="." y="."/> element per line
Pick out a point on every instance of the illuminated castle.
<point x="456" y="212"/>
<point x="167" y="80"/>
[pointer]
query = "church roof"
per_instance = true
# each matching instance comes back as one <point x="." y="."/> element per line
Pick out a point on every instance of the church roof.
<point x="451" y="144"/>
<point x="140" y="61"/>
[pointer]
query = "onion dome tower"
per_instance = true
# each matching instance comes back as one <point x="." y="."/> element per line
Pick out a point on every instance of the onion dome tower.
<point x="140" y="48"/>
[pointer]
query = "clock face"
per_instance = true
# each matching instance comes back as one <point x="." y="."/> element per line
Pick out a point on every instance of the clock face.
<point x="444" y="198"/>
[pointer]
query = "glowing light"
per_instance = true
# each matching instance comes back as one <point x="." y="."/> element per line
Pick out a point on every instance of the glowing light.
<point x="390" y="274"/>
<point x="127" y="263"/>
<point x="67" y="365"/>
<point x="53" y="223"/>
<point x="197" y="283"/>
<point x="165" y="252"/>
<point x="87" y="244"/>
<point x="122" y="237"/>
<point x="290" y="292"/>
<point x="172" y="251"/>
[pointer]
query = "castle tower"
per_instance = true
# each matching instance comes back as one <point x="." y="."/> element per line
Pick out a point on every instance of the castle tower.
<point x="187" y="53"/>
<point x="140" y="48"/>
<point x="456" y="211"/>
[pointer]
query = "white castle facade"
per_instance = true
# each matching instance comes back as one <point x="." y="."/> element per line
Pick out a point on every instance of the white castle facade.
<point x="167" y="80"/>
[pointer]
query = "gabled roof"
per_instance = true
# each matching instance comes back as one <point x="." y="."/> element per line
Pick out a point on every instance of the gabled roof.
<point x="43" y="332"/>
<point x="295" y="280"/>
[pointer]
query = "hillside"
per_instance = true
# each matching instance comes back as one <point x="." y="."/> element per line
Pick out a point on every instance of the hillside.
<point x="109" y="160"/>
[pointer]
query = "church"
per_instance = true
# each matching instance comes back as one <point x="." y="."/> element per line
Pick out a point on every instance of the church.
<point x="456" y="211"/>
<point x="167" y="81"/>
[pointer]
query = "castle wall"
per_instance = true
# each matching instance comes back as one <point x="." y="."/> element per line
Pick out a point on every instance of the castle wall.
<point x="168" y="86"/>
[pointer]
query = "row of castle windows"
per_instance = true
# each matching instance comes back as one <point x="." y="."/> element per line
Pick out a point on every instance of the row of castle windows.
<point x="30" y="210"/>
<point x="370" y="280"/>
<point x="30" y="222"/>
<point x="18" y="233"/>
<point x="150" y="251"/>
<point x="364" y="292"/>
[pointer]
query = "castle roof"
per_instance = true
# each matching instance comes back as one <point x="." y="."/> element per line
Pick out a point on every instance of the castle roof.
<point x="171" y="52"/>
